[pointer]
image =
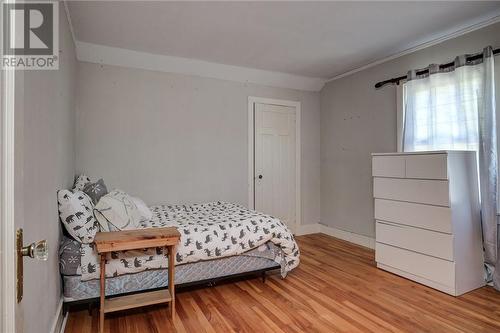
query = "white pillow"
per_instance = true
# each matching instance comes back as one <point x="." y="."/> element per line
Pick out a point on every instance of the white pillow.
<point x="75" y="211"/>
<point x="146" y="213"/>
<point x="80" y="182"/>
<point x="117" y="211"/>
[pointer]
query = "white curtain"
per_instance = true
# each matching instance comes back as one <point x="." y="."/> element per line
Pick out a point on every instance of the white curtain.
<point x="454" y="109"/>
<point x="441" y="110"/>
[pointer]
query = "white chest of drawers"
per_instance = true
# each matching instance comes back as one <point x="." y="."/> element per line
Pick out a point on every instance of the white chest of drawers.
<point x="427" y="217"/>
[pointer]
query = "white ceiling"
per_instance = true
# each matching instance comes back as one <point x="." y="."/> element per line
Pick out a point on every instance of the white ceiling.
<point x="314" y="39"/>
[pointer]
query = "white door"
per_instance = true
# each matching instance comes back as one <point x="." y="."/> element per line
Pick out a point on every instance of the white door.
<point x="12" y="207"/>
<point x="275" y="162"/>
<point x="8" y="179"/>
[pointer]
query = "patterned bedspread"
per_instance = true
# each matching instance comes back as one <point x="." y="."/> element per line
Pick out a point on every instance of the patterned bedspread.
<point x="208" y="231"/>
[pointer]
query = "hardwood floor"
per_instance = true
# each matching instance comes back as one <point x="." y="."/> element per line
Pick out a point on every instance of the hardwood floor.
<point x="336" y="288"/>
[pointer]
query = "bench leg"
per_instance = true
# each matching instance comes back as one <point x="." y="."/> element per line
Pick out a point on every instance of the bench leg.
<point x="103" y="292"/>
<point x="171" y="278"/>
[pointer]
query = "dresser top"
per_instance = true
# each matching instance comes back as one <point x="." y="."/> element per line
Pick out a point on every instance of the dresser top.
<point x="426" y="152"/>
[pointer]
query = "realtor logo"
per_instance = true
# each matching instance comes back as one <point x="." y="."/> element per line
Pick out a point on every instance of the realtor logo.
<point x="30" y="35"/>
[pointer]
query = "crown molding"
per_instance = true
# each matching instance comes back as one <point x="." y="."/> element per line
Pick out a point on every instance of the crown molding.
<point x="456" y="33"/>
<point x="107" y="55"/>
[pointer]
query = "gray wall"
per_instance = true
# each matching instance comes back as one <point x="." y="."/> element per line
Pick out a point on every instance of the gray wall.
<point x="357" y="120"/>
<point x="171" y="138"/>
<point x="45" y="163"/>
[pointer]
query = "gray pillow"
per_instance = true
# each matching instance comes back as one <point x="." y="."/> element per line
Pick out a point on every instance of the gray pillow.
<point x="69" y="255"/>
<point x="95" y="190"/>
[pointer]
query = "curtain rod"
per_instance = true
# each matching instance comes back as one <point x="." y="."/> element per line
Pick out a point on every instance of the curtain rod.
<point x="396" y="80"/>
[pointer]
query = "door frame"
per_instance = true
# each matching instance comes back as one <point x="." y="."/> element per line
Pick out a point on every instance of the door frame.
<point x="251" y="153"/>
<point x="8" y="303"/>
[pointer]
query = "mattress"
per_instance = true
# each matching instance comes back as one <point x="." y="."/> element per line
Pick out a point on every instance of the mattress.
<point x="76" y="289"/>
<point x="208" y="231"/>
<point x="217" y="239"/>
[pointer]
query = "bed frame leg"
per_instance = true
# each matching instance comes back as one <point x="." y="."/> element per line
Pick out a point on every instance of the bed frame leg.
<point x="90" y="309"/>
<point x="263" y="275"/>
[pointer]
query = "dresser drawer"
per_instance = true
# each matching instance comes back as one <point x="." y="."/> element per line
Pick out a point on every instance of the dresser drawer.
<point x="418" y="215"/>
<point x="388" y="166"/>
<point x="433" y="192"/>
<point x="431" y="268"/>
<point x="431" y="166"/>
<point x="419" y="240"/>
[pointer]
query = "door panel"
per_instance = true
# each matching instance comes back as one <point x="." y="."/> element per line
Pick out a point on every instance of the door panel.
<point x="274" y="179"/>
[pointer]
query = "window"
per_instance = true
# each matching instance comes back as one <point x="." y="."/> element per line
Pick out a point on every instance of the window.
<point x="441" y="111"/>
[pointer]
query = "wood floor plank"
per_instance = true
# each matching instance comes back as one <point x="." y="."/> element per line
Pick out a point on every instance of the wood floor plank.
<point x="336" y="288"/>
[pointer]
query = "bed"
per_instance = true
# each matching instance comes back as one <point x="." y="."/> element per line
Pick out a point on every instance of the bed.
<point x="218" y="240"/>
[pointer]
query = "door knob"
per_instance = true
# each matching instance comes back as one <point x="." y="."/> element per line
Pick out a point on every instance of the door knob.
<point x="37" y="250"/>
<point x="260" y="176"/>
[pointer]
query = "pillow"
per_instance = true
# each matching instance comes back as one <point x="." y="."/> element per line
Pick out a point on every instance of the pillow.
<point x="95" y="190"/>
<point x="80" y="182"/>
<point x="69" y="256"/>
<point x="75" y="211"/>
<point x="117" y="211"/>
<point x="144" y="211"/>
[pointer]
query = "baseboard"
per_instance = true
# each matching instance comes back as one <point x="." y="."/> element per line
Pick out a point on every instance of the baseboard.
<point x="63" y="326"/>
<point x="348" y="236"/>
<point x="307" y="229"/>
<point x="337" y="233"/>
<point x="59" y="320"/>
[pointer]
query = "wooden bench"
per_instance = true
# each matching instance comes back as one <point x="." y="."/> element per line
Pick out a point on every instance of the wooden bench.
<point x="107" y="242"/>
